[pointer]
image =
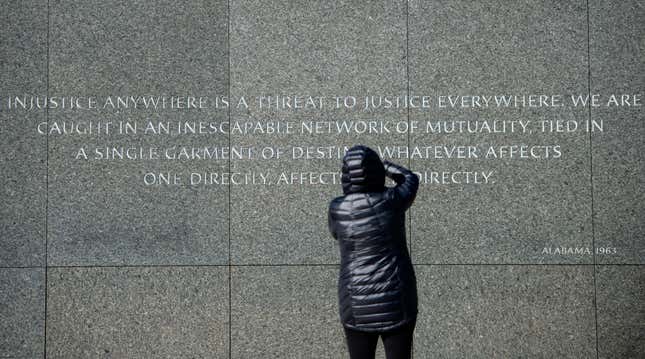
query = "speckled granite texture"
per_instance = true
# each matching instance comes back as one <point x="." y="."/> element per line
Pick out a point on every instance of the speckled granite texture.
<point x="93" y="264"/>
<point x="101" y="212"/>
<point x="319" y="49"/>
<point x="485" y="48"/>
<point x="23" y="163"/>
<point x="617" y="52"/>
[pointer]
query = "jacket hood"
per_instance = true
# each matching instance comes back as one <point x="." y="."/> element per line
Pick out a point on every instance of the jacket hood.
<point x="363" y="171"/>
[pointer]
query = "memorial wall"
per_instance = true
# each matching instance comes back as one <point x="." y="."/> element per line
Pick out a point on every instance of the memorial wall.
<point x="167" y="170"/>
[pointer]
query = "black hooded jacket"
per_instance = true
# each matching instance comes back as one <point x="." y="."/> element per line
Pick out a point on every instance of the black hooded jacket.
<point x="377" y="285"/>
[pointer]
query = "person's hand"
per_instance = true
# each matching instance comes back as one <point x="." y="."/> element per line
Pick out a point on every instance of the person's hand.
<point x="391" y="168"/>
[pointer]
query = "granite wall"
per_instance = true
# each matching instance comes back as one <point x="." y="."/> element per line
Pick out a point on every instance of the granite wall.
<point x="96" y="264"/>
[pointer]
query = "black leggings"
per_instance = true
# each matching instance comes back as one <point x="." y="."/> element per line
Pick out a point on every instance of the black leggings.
<point x="397" y="343"/>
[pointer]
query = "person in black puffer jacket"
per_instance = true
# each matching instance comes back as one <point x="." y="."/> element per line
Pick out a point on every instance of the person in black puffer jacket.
<point x="377" y="292"/>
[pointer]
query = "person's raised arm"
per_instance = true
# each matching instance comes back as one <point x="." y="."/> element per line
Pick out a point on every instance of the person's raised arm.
<point x="407" y="184"/>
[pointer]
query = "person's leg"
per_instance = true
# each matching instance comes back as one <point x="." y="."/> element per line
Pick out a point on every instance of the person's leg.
<point x="398" y="343"/>
<point x="361" y="345"/>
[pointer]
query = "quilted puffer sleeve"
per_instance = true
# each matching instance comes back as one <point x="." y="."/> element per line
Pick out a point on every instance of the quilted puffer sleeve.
<point x="330" y="221"/>
<point x="407" y="184"/>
